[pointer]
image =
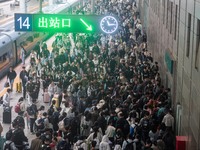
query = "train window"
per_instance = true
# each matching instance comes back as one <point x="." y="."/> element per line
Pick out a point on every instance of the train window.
<point x="188" y="34"/>
<point x="30" y="39"/>
<point x="4" y="60"/>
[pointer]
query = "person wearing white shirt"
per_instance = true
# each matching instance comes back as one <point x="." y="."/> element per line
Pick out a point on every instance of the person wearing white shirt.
<point x="105" y="143"/>
<point x="168" y="120"/>
<point x="110" y="131"/>
<point x="67" y="109"/>
<point x="51" y="90"/>
<point x="6" y="98"/>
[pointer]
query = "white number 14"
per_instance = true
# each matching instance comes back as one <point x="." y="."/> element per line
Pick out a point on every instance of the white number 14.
<point x="24" y="23"/>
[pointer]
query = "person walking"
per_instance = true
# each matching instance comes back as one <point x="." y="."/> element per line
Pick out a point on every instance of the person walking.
<point x="51" y="90"/>
<point x="30" y="88"/>
<point x="32" y="112"/>
<point x="11" y="75"/>
<point x="24" y="78"/>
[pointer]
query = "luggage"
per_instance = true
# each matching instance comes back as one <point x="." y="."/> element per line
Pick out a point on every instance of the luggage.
<point x="57" y="102"/>
<point x="6" y="85"/>
<point x="7" y="115"/>
<point x="46" y="97"/>
<point x="19" y="87"/>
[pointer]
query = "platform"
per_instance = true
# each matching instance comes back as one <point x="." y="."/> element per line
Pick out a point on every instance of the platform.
<point x="15" y="96"/>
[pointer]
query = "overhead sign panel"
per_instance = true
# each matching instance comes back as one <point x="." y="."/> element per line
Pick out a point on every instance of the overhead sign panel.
<point x="66" y="23"/>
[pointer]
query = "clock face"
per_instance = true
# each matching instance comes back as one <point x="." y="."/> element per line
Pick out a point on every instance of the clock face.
<point x="109" y="24"/>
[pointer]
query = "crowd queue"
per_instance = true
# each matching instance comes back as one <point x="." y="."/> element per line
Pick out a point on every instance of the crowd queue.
<point x="104" y="91"/>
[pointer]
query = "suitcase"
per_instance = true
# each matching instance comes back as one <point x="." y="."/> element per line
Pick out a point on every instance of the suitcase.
<point x="7" y="115"/>
<point x="57" y="102"/>
<point x="46" y="97"/>
<point x="19" y="88"/>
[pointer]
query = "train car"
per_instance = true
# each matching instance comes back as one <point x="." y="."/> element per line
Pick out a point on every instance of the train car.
<point x="10" y="41"/>
<point x="10" y="50"/>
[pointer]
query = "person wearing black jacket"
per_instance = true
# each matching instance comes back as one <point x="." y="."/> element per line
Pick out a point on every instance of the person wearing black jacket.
<point x="33" y="114"/>
<point x="24" y="78"/>
<point x="18" y="136"/>
<point x="11" y="75"/>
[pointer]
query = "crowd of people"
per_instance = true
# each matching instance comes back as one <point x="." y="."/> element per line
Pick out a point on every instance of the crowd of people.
<point x="104" y="91"/>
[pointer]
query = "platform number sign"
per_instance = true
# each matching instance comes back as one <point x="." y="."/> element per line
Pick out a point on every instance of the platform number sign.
<point x="23" y="22"/>
<point x="66" y="23"/>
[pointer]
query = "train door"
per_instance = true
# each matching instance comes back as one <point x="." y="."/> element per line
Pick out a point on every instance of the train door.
<point x="15" y="51"/>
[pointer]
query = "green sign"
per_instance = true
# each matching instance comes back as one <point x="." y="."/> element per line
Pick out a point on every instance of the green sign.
<point x="66" y="23"/>
<point x="169" y="62"/>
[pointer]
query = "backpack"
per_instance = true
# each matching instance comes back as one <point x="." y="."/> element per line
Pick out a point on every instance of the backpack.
<point x="68" y="121"/>
<point x="30" y="110"/>
<point x="138" y="129"/>
<point x="50" y="111"/>
<point x="19" y="121"/>
<point x="41" y="123"/>
<point x="129" y="146"/>
<point x="17" y="108"/>
<point x="138" y="145"/>
<point x="17" y="137"/>
<point x="145" y="125"/>
<point x="7" y="146"/>
<point x="63" y="145"/>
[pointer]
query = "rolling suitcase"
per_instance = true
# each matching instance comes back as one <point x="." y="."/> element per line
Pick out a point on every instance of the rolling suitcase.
<point x="57" y="102"/>
<point x="7" y="115"/>
<point x="46" y="97"/>
<point x="19" y="88"/>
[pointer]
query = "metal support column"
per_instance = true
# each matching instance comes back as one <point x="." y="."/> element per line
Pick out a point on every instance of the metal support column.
<point x="92" y="6"/>
<point x="23" y="6"/>
<point x="51" y="2"/>
<point x="40" y="6"/>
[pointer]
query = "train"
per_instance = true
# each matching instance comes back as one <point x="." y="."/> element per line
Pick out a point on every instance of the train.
<point x="10" y="41"/>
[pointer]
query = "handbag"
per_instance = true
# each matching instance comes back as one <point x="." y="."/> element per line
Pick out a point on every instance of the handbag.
<point x="6" y="84"/>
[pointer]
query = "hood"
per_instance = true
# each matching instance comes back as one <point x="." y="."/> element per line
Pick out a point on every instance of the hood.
<point x="105" y="139"/>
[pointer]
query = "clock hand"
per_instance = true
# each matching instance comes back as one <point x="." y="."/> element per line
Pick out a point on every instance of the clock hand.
<point x="110" y="24"/>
